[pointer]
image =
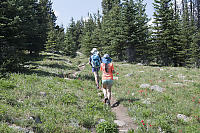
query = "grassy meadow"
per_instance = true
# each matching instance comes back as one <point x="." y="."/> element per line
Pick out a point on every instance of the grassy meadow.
<point x="45" y="97"/>
<point x="156" y="111"/>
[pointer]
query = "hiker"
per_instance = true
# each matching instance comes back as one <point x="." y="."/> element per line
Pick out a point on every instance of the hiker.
<point x="107" y="69"/>
<point x="95" y="62"/>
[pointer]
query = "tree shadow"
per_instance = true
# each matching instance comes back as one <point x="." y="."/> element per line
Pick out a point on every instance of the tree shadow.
<point x="30" y="57"/>
<point x="64" y="60"/>
<point x="124" y="99"/>
<point x="155" y="65"/>
<point x="55" y="65"/>
<point x="40" y="73"/>
<point x="86" y="77"/>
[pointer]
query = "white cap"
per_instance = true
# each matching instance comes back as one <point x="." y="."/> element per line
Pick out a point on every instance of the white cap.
<point x="94" y="50"/>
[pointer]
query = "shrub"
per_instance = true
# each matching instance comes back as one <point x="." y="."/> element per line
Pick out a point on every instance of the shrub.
<point x="106" y="127"/>
<point x="5" y="129"/>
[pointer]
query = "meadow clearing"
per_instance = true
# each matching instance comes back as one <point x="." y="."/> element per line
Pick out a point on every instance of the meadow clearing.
<point x="52" y="94"/>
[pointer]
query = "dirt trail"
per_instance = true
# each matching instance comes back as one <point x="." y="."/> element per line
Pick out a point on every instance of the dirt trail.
<point x="125" y="121"/>
<point x="122" y="116"/>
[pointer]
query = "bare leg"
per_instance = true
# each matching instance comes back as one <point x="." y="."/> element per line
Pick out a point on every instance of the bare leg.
<point x="109" y="94"/>
<point x="105" y="92"/>
<point x="96" y="76"/>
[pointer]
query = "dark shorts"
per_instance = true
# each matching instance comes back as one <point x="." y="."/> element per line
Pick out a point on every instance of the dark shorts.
<point x="108" y="82"/>
<point x="95" y="69"/>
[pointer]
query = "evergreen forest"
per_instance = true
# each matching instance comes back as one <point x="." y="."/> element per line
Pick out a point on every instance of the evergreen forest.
<point x="28" y="27"/>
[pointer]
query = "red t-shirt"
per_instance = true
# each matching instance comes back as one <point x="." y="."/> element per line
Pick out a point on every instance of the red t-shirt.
<point x="109" y="74"/>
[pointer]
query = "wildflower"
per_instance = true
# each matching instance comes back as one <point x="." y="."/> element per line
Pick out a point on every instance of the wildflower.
<point x="141" y="91"/>
<point x="143" y="124"/>
<point x="142" y="121"/>
<point x="117" y="73"/>
<point x="150" y="125"/>
<point x="193" y="99"/>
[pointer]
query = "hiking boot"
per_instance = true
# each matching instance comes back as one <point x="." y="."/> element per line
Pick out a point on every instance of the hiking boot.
<point x="98" y="87"/>
<point x="105" y="100"/>
<point x="108" y="102"/>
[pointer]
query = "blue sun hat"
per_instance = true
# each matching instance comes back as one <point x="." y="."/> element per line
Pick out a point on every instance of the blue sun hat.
<point x="106" y="59"/>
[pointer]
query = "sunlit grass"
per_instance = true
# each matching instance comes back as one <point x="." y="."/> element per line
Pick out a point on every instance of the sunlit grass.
<point x="41" y="99"/>
<point x="160" y="109"/>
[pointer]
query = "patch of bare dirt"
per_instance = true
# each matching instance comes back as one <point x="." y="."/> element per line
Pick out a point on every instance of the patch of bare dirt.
<point x="122" y="116"/>
<point x="123" y="120"/>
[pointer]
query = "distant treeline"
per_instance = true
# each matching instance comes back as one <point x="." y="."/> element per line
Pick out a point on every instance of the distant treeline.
<point x="122" y="30"/>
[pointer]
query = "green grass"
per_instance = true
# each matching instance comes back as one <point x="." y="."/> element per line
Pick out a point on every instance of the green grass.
<point x="40" y="97"/>
<point x="182" y="96"/>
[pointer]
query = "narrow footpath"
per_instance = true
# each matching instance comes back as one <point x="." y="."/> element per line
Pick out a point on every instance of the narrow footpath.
<point x="123" y="120"/>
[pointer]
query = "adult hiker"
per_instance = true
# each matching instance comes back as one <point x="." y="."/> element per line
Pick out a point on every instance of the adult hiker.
<point x="107" y="69"/>
<point x="95" y="62"/>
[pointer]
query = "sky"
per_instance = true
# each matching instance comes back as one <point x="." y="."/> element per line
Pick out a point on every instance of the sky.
<point x="66" y="9"/>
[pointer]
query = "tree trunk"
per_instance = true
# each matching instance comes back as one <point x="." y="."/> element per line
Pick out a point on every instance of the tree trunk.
<point x="198" y="14"/>
<point x="131" y="53"/>
<point x="175" y="6"/>
<point x="191" y="10"/>
<point x="183" y="7"/>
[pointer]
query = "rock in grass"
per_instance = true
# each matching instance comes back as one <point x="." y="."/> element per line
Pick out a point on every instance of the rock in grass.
<point x="101" y="120"/>
<point x="129" y="75"/>
<point x="139" y="64"/>
<point x="43" y="94"/>
<point x="144" y="86"/>
<point x="183" y="117"/>
<point x="146" y="101"/>
<point x="20" y="129"/>
<point x="180" y="76"/>
<point x="157" y="88"/>
<point x="119" y="123"/>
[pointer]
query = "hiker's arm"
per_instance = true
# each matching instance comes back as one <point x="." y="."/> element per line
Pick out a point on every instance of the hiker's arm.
<point x="100" y="58"/>
<point x="113" y="71"/>
<point x="90" y="61"/>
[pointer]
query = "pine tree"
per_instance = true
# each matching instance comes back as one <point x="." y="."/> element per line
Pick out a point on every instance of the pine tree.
<point x="46" y="22"/>
<point x="86" y="38"/>
<point x="189" y="32"/>
<point x="24" y="26"/>
<point x="96" y="34"/>
<point x="79" y="31"/>
<point x="141" y="33"/>
<point x="107" y="5"/>
<point x="113" y="35"/>
<point x="70" y="44"/>
<point x="166" y="32"/>
<point x="51" y="40"/>
<point x="60" y="38"/>
<point x="129" y="19"/>
<point x="11" y="39"/>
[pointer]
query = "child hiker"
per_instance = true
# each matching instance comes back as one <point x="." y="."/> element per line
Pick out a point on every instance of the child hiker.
<point x="107" y="69"/>
<point x="95" y="61"/>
